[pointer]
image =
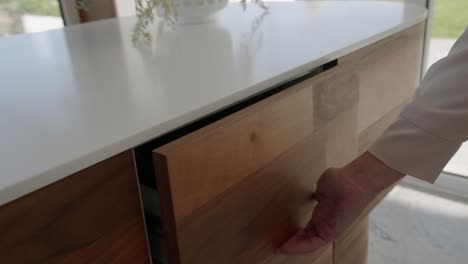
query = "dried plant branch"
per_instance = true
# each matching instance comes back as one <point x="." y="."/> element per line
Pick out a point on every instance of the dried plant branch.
<point x="145" y="11"/>
<point x="259" y="3"/>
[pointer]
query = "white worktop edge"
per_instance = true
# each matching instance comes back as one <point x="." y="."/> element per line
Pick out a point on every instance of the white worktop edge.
<point x="35" y="182"/>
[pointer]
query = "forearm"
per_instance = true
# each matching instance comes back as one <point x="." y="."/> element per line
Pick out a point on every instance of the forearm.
<point x="434" y="125"/>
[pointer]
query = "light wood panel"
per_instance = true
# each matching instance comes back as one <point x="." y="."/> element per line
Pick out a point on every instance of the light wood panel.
<point x="371" y="134"/>
<point x="93" y="216"/>
<point x="352" y="247"/>
<point x="322" y="256"/>
<point x="336" y="97"/>
<point x="226" y="152"/>
<point x="388" y="72"/>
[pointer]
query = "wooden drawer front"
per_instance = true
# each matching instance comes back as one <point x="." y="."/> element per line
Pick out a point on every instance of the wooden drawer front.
<point x="206" y="163"/>
<point x="239" y="187"/>
<point x="323" y="256"/>
<point x="352" y="247"/>
<point x="93" y="216"/>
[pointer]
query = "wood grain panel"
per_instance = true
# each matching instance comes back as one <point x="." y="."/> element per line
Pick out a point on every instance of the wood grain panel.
<point x="336" y="97"/>
<point x="225" y="152"/>
<point x="388" y="73"/>
<point x="93" y="216"/>
<point x="335" y="92"/>
<point x="352" y="247"/>
<point x="371" y="134"/>
<point x="322" y="256"/>
<point x="249" y="220"/>
<point x="261" y="212"/>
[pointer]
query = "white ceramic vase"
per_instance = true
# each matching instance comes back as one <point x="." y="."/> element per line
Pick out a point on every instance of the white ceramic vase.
<point x="195" y="11"/>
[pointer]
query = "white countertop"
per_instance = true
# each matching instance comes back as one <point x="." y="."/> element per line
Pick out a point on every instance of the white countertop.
<point x="72" y="97"/>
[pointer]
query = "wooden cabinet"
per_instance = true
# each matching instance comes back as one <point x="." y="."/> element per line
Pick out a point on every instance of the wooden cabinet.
<point x="230" y="190"/>
<point x="93" y="216"/>
<point x="235" y="189"/>
<point x="240" y="186"/>
<point x="352" y="247"/>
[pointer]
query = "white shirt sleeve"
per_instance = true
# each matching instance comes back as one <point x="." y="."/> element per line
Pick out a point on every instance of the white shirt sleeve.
<point x="434" y="125"/>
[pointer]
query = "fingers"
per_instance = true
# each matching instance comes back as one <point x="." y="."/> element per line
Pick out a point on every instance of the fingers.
<point x="301" y="243"/>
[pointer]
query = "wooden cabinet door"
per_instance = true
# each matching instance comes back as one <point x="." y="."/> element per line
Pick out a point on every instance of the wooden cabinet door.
<point x="234" y="190"/>
<point x="352" y="247"/>
<point x="93" y="216"/>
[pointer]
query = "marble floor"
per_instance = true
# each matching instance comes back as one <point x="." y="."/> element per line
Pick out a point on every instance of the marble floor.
<point x="459" y="163"/>
<point x="419" y="225"/>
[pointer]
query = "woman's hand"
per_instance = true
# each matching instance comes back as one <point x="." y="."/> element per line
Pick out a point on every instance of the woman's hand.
<point x="342" y="195"/>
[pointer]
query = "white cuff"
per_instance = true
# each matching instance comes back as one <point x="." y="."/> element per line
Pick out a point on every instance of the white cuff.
<point x="413" y="151"/>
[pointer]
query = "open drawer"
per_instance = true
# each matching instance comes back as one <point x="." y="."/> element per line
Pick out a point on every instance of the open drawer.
<point x="234" y="190"/>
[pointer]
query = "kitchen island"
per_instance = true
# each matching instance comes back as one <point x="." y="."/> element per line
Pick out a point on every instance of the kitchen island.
<point x="229" y="123"/>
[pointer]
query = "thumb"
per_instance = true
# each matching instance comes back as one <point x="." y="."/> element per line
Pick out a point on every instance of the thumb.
<point x="302" y="242"/>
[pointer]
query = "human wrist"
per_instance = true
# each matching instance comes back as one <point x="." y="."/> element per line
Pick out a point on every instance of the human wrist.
<point x="371" y="174"/>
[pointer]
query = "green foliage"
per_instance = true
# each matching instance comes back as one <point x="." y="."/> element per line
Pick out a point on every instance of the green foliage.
<point x="450" y="18"/>
<point x="36" y="7"/>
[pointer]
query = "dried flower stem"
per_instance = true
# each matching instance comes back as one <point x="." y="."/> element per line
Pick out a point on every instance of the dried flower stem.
<point x="145" y="13"/>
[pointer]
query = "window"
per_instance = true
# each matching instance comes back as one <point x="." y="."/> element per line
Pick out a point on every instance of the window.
<point x="27" y="16"/>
